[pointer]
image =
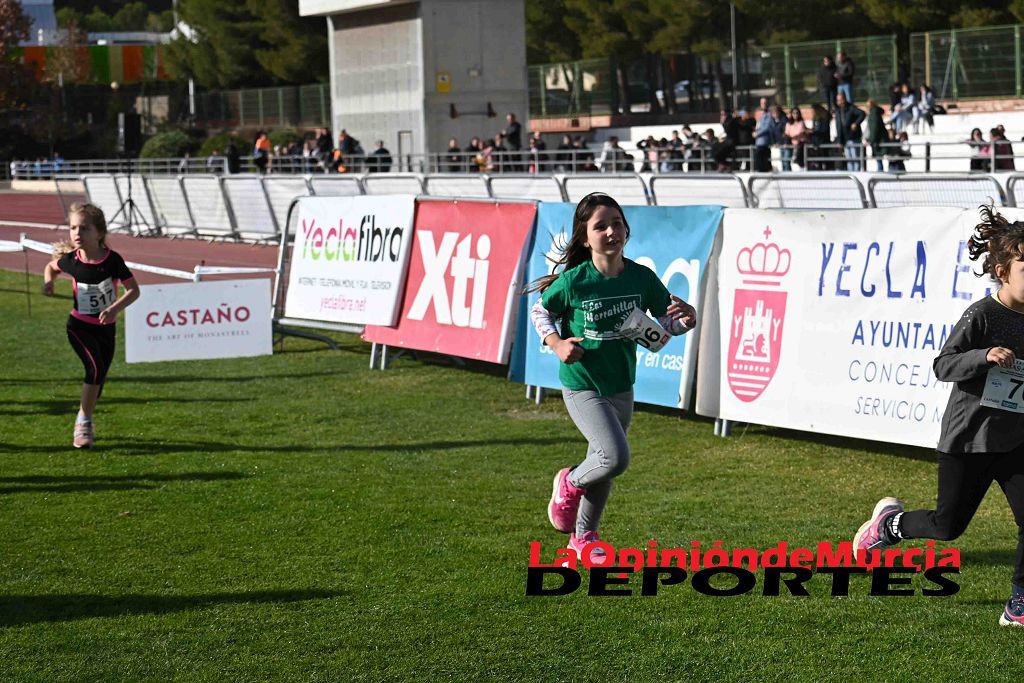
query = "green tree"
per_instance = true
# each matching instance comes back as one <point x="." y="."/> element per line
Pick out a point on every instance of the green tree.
<point x="248" y="42"/>
<point x="98" y="21"/>
<point x="131" y="17"/>
<point x="294" y="49"/>
<point x="14" y="28"/>
<point x="220" y="53"/>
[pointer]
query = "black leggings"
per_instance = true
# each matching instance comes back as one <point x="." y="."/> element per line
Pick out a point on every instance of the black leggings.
<point x="94" y="344"/>
<point x="963" y="481"/>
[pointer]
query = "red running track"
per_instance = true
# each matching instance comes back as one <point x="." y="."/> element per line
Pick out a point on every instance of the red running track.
<point x="180" y="254"/>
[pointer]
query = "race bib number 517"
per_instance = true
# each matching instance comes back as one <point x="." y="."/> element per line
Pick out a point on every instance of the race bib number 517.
<point x="92" y="299"/>
<point x="1004" y="388"/>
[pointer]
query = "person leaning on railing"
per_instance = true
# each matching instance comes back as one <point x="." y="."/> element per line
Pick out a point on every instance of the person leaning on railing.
<point x="820" y="136"/>
<point x="981" y="152"/>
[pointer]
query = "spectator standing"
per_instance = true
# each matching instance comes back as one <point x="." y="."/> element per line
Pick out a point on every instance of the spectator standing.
<point x="897" y="151"/>
<point x="381" y="161"/>
<point x="924" y="109"/>
<point x="1003" y="149"/>
<point x="745" y="138"/>
<point x="453" y="158"/>
<point x="474" y="156"/>
<point x="679" y="149"/>
<point x="794" y="138"/>
<point x="764" y="137"/>
<point x="233" y="156"/>
<point x="844" y="76"/>
<point x="981" y="153"/>
<point x="731" y="130"/>
<point x="649" y="149"/>
<point x="513" y="139"/>
<point x="827" y="82"/>
<point x="261" y="152"/>
<point x="849" y="118"/>
<point x="877" y="133"/>
<point x="538" y="150"/>
<point x="497" y="155"/>
<point x="565" y="157"/>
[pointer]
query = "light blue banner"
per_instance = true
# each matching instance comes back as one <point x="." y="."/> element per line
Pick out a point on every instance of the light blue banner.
<point x="674" y="242"/>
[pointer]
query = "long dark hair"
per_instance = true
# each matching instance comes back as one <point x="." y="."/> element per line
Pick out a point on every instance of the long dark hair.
<point x="577" y="251"/>
<point x="999" y="240"/>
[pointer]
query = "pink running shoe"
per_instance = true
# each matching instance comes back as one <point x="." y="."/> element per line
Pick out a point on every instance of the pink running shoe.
<point x="565" y="501"/>
<point x="875" y="533"/>
<point x="83" y="435"/>
<point x="597" y="557"/>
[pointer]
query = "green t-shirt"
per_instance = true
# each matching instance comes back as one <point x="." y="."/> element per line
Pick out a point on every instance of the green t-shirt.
<point x="593" y="306"/>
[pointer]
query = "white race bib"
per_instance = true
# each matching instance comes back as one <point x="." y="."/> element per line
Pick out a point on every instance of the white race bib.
<point x="92" y="299"/>
<point x="1004" y="388"/>
<point x="644" y="331"/>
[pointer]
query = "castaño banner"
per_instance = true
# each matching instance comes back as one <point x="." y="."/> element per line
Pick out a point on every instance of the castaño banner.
<point x="193" y="320"/>
<point x="349" y="258"/>
<point x="464" y="273"/>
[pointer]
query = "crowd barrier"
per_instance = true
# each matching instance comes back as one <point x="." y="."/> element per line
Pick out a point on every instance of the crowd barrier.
<point x="822" y="321"/>
<point x="253" y="207"/>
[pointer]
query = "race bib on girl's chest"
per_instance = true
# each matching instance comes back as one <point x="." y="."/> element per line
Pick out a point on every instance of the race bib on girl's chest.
<point x="92" y="299"/>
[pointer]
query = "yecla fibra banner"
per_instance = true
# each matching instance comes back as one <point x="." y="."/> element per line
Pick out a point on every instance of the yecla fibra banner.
<point x="350" y="257"/>
<point x="191" y="320"/>
<point x="674" y="242"/>
<point x="830" y="321"/>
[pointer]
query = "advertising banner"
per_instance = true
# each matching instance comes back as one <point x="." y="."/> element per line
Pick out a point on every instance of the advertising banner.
<point x="194" y="320"/>
<point x="829" y="321"/>
<point x="350" y="257"/>
<point x="674" y="242"/>
<point x="464" y="275"/>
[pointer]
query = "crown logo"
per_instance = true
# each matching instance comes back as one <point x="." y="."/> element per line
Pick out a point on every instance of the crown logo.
<point x="763" y="259"/>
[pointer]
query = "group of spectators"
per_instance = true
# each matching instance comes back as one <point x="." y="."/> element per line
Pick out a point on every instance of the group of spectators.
<point x="506" y="153"/>
<point x="318" y="153"/>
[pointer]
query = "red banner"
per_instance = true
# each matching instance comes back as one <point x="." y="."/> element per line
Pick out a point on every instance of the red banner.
<point x="464" y="277"/>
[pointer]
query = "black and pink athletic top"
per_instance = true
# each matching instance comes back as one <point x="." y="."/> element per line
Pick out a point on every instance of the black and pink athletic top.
<point x="96" y="282"/>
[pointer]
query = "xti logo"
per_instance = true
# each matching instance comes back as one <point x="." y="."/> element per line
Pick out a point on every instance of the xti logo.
<point x="465" y="306"/>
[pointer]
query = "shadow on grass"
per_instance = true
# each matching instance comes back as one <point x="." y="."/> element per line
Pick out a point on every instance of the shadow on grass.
<point x="61" y="406"/>
<point x="157" y="447"/>
<point x="79" y="484"/>
<point x="831" y="440"/>
<point x="19" y="610"/>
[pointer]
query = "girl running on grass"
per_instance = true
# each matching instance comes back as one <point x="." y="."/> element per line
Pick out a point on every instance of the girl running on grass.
<point x="978" y="444"/>
<point x="95" y="271"/>
<point x="578" y="316"/>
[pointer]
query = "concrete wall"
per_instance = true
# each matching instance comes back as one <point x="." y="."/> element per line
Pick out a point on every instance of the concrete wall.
<point x="481" y="46"/>
<point x="400" y="65"/>
<point x="377" y="76"/>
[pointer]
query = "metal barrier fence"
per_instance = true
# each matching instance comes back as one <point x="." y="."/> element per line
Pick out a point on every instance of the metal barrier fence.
<point x="253" y="208"/>
<point x="894" y="156"/>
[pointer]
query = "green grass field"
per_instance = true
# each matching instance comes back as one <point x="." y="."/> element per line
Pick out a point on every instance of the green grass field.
<point x="301" y="517"/>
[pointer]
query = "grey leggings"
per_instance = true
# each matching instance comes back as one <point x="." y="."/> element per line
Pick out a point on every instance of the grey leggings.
<point x="604" y="421"/>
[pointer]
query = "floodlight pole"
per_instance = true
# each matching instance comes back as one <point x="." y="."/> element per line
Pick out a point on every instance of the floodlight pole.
<point x="735" y="75"/>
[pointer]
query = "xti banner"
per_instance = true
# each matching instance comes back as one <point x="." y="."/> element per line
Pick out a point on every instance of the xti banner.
<point x="674" y="242"/>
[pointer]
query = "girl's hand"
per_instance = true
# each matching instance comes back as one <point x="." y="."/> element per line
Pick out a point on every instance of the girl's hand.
<point x="108" y="315"/>
<point x="568" y="350"/>
<point x="48" y="288"/>
<point x="1001" y="356"/>
<point x="683" y="312"/>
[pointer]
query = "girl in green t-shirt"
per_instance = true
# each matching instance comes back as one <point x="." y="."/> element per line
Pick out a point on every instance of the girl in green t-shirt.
<point x="578" y="317"/>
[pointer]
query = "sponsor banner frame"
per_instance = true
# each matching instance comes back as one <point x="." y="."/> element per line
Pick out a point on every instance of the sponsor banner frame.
<point x="200" y="320"/>
<point x="349" y="259"/>
<point x="828" y="321"/>
<point x="673" y="241"/>
<point x="464" y="275"/>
